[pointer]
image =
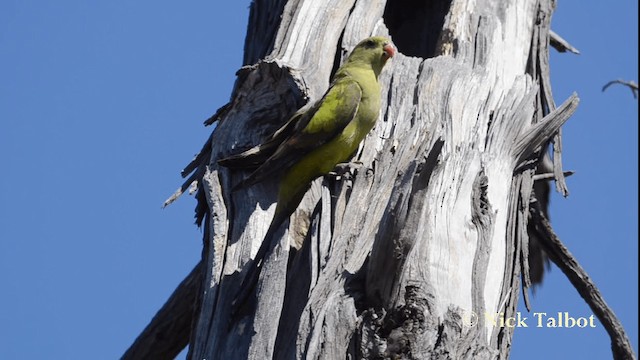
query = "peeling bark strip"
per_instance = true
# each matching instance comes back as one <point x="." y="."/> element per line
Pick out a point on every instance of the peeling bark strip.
<point x="432" y="227"/>
<point x="482" y="217"/>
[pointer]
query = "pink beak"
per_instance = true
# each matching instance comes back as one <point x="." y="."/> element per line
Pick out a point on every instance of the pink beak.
<point x="389" y="51"/>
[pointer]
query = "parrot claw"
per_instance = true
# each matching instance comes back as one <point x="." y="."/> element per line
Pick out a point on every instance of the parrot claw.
<point x="347" y="170"/>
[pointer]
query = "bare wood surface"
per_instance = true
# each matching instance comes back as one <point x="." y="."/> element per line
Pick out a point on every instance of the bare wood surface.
<point x="561" y="44"/>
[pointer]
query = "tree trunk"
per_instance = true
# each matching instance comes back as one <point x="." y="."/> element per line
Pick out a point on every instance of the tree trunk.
<point x="406" y="257"/>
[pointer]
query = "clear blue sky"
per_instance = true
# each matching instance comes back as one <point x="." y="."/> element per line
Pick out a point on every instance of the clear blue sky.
<point x="102" y="103"/>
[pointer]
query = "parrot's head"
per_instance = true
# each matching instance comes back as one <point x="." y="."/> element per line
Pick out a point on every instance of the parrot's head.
<point x="374" y="51"/>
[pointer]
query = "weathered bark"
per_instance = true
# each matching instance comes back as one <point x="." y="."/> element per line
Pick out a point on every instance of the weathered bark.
<point x="431" y="229"/>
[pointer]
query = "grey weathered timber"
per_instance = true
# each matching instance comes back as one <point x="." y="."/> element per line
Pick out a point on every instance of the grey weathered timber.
<point x="394" y="259"/>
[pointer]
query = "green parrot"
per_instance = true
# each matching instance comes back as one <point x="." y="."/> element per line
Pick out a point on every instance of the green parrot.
<point x="315" y="139"/>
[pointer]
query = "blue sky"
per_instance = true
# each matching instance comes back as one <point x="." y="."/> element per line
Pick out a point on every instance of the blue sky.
<point x="102" y="103"/>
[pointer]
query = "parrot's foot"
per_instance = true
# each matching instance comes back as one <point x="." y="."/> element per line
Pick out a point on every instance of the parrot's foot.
<point x="347" y="170"/>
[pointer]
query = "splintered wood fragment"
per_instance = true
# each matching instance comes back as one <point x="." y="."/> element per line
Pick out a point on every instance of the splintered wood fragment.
<point x="544" y="130"/>
<point x="217" y="115"/>
<point x="561" y="44"/>
<point x="198" y="164"/>
<point x="199" y="159"/>
<point x="561" y="182"/>
<point x="194" y="177"/>
<point x="551" y="176"/>
<point x="587" y="289"/>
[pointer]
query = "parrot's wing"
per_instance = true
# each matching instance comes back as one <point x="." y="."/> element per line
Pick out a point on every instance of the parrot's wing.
<point x="257" y="155"/>
<point x="337" y="109"/>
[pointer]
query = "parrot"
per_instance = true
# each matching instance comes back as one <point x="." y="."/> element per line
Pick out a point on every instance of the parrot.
<point x="314" y="140"/>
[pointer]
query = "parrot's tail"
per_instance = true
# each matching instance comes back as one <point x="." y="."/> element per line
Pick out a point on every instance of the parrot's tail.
<point x="249" y="159"/>
<point x="253" y="274"/>
<point x="287" y="203"/>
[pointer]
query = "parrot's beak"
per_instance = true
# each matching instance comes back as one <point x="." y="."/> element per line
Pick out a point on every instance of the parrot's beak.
<point x="389" y="51"/>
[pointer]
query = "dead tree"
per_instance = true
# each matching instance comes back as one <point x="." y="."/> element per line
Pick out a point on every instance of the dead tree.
<point x="405" y="255"/>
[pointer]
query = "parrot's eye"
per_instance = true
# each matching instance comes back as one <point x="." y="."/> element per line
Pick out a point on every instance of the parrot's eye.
<point x="370" y="44"/>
